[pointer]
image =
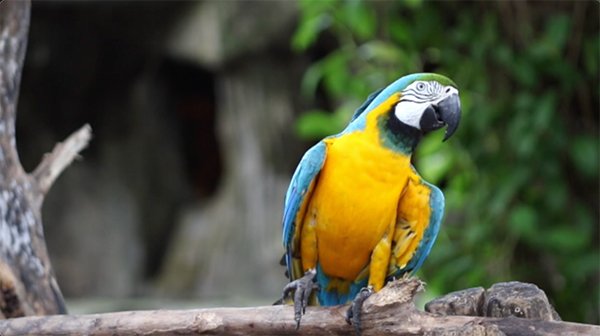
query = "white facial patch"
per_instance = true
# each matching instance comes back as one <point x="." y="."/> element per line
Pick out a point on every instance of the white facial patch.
<point x="417" y="97"/>
<point x="410" y="112"/>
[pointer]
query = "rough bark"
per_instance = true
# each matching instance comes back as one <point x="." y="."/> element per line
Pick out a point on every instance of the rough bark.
<point x="389" y="312"/>
<point x="27" y="282"/>
<point x="501" y="300"/>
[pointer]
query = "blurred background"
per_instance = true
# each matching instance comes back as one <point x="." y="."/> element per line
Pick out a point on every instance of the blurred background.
<point x="201" y="111"/>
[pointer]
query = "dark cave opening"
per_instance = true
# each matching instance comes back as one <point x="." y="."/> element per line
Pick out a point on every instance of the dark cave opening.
<point x="192" y="94"/>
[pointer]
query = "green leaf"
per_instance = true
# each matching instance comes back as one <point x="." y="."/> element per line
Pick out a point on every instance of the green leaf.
<point x="400" y="31"/>
<point x="431" y="144"/>
<point x="336" y="74"/>
<point x="523" y="221"/>
<point x="556" y="195"/>
<point x="311" y="79"/>
<point x="435" y="167"/>
<point x="557" y="33"/>
<point x="360" y="18"/>
<point x="591" y="50"/>
<point x="524" y="72"/>
<point x="312" y="7"/>
<point x="583" y="266"/>
<point x="584" y="154"/>
<point x="504" y="192"/>
<point x="566" y="239"/>
<point x="432" y="161"/>
<point x="308" y="31"/>
<point x="381" y="51"/>
<point x="316" y="124"/>
<point x="543" y="113"/>
<point x="413" y="3"/>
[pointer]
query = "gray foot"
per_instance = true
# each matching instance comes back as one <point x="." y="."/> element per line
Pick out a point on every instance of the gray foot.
<point x="302" y="288"/>
<point x="355" y="310"/>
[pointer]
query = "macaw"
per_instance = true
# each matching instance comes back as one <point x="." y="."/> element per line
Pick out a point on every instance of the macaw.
<point x="356" y="213"/>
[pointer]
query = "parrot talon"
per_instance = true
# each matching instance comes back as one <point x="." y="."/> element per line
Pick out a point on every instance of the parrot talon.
<point x="302" y="288"/>
<point x="354" y="311"/>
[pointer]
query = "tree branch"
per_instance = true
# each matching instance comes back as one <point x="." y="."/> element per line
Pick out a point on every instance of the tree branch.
<point x="14" y="25"/>
<point x="27" y="282"/>
<point x="61" y="156"/>
<point x="388" y="312"/>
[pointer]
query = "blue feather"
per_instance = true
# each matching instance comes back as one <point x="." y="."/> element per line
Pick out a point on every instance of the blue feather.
<point x="332" y="297"/>
<point x="308" y="169"/>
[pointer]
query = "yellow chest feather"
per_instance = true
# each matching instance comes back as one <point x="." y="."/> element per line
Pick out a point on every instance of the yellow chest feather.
<point x="354" y="201"/>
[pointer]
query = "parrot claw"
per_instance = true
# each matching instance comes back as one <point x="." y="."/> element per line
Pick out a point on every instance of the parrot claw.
<point x="354" y="311"/>
<point x="302" y="288"/>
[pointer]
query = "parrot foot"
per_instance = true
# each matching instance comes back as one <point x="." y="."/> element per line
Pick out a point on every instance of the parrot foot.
<point x="302" y="288"/>
<point x="354" y="311"/>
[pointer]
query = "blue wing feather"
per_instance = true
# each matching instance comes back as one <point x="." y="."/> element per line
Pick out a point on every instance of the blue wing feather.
<point x="298" y="192"/>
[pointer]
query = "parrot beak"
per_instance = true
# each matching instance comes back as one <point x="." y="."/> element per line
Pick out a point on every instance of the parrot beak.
<point x="448" y="111"/>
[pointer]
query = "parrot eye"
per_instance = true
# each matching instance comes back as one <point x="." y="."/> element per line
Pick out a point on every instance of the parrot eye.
<point x="420" y="86"/>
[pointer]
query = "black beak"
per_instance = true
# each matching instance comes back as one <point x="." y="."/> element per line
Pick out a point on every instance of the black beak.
<point x="448" y="111"/>
<point x="444" y="113"/>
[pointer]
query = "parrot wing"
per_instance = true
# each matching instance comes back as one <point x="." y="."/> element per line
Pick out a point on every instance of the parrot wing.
<point x="419" y="218"/>
<point x="436" y="203"/>
<point x="296" y="200"/>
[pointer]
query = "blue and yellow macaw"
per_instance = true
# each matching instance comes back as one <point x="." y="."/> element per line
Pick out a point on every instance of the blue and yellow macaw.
<point x="356" y="212"/>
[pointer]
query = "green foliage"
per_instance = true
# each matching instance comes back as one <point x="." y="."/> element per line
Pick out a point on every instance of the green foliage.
<point x="521" y="175"/>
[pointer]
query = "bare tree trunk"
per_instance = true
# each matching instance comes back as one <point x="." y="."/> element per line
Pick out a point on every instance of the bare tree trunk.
<point x="27" y="282"/>
<point x="388" y="312"/>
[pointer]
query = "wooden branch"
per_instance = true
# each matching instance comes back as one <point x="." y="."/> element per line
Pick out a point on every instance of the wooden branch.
<point x="61" y="156"/>
<point x="14" y="25"/>
<point x="389" y="312"/>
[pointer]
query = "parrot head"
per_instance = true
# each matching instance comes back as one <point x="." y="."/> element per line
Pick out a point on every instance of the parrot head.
<point x="428" y="102"/>
<point x="420" y="103"/>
